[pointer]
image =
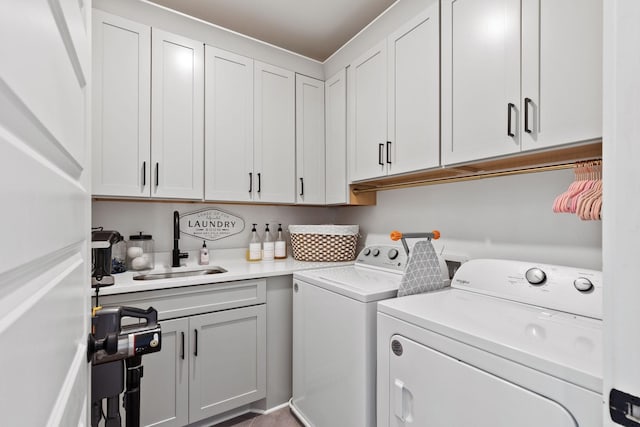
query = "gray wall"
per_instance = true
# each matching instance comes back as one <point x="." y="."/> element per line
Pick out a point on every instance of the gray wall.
<point x="507" y="217"/>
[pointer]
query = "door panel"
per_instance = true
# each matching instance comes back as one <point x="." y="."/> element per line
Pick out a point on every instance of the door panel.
<point x="274" y="138"/>
<point x="310" y="141"/>
<point x="414" y="94"/>
<point x="228" y="363"/>
<point x="177" y="120"/>
<point x="480" y="77"/>
<point x="368" y="112"/>
<point x="164" y="396"/>
<point x="228" y="125"/>
<point x="121" y="106"/>
<point x="44" y="170"/>
<point x="561" y="71"/>
<point x="453" y="393"/>
<point x="336" y="138"/>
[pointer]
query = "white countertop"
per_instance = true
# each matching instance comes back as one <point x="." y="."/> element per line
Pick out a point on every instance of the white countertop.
<point x="232" y="260"/>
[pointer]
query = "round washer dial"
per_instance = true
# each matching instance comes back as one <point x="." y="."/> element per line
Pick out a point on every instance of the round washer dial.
<point x="392" y="254"/>
<point x="583" y="284"/>
<point x="535" y="276"/>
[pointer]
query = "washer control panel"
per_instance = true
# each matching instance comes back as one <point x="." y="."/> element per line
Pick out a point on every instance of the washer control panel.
<point x="569" y="289"/>
<point x="383" y="256"/>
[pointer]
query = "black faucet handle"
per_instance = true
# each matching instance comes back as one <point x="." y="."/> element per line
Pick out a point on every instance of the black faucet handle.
<point x="183" y="255"/>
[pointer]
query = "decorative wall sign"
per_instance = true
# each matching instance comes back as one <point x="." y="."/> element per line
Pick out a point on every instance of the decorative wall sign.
<point x="210" y="224"/>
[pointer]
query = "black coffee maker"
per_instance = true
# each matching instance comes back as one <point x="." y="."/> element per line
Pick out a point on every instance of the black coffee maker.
<point x="102" y="242"/>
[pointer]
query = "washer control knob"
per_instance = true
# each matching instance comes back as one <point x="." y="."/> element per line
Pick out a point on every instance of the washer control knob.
<point x="376" y="252"/>
<point x="583" y="284"/>
<point x="535" y="276"/>
<point x="366" y="252"/>
<point x="392" y="254"/>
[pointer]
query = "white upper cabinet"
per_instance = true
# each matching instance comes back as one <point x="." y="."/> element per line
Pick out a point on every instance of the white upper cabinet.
<point x="177" y="121"/>
<point x="414" y="95"/>
<point x="368" y="113"/>
<point x="274" y="134"/>
<point x="336" y="139"/>
<point x="394" y="102"/>
<point x="121" y="106"/>
<point x="492" y="48"/>
<point x="561" y="72"/>
<point x="480" y="79"/>
<point x="228" y="126"/>
<point x="310" y="141"/>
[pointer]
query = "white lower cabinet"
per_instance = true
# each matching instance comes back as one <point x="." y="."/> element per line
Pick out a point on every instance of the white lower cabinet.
<point x="213" y="356"/>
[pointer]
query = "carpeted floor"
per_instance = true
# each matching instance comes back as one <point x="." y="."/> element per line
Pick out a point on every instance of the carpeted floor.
<point x="280" y="418"/>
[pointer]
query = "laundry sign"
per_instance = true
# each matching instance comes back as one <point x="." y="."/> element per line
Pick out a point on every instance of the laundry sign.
<point x="210" y="224"/>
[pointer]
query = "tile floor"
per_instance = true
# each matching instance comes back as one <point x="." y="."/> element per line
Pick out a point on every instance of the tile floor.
<point x="280" y="418"/>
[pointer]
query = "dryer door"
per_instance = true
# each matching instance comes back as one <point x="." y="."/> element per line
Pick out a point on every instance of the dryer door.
<point x="429" y="388"/>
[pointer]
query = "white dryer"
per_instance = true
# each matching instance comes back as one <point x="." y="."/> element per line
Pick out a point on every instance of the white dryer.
<point x="509" y="344"/>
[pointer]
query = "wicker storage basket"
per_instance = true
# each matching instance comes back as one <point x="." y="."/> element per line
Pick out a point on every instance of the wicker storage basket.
<point x="324" y="242"/>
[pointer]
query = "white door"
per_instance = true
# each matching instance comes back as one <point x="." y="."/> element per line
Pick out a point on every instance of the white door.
<point x="561" y="72"/>
<point x="480" y="79"/>
<point x="429" y="388"/>
<point x="46" y="178"/>
<point x="228" y="126"/>
<point x="177" y="116"/>
<point x="335" y="98"/>
<point x="621" y="209"/>
<point x="121" y="106"/>
<point x="368" y="113"/>
<point x="414" y="94"/>
<point x="228" y="360"/>
<point x="274" y="134"/>
<point x="164" y="390"/>
<point x="310" y="141"/>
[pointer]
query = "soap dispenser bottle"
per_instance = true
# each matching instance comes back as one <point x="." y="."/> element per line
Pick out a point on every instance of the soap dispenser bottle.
<point x="268" y="245"/>
<point x="204" y="254"/>
<point x="254" y="252"/>
<point x="281" y="245"/>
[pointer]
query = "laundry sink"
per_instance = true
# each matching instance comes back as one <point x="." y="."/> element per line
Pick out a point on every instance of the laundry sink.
<point x="175" y="274"/>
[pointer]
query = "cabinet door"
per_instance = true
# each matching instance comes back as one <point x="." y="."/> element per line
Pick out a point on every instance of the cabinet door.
<point x="368" y="112"/>
<point x="164" y="386"/>
<point x="274" y="138"/>
<point x="121" y="106"/>
<point x="561" y="72"/>
<point x="310" y="140"/>
<point x="228" y="126"/>
<point x="177" y="121"/>
<point x="228" y="362"/>
<point x="336" y="138"/>
<point x="480" y="79"/>
<point x="414" y="94"/>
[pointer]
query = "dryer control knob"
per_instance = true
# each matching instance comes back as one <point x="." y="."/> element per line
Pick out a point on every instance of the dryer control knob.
<point x="535" y="276"/>
<point x="376" y="252"/>
<point x="367" y="251"/>
<point x="583" y="284"/>
<point x="392" y="254"/>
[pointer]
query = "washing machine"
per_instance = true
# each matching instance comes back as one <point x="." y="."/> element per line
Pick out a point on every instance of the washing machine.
<point x="334" y="337"/>
<point x="509" y="344"/>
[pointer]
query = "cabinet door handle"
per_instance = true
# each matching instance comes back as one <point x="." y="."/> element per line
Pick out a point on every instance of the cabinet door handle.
<point x="157" y="174"/>
<point x="389" y="152"/>
<point x="182" y="347"/>
<point x="510" y="107"/>
<point x="301" y="186"/>
<point x="380" y="148"/>
<point x="250" y="182"/>
<point x="259" y="182"/>
<point x="144" y="173"/>
<point x="195" y="343"/>
<point x="527" y="101"/>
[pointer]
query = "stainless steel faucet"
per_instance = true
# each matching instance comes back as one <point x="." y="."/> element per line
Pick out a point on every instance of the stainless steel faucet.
<point x="176" y="254"/>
